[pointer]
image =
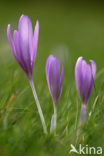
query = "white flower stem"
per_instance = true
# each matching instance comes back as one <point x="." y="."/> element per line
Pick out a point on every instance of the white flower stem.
<point x="83" y="114"/>
<point x="54" y="121"/>
<point x="55" y="118"/>
<point x="38" y="106"/>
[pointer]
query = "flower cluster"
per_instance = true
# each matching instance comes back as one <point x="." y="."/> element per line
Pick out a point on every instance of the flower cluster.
<point x="24" y="48"/>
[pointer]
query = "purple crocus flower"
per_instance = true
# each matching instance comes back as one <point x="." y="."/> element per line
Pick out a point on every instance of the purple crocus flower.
<point x="54" y="79"/>
<point x="84" y="76"/>
<point x="24" y="44"/>
<point x="24" y="48"/>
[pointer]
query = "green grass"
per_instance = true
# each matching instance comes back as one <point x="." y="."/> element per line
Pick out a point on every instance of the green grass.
<point x="67" y="30"/>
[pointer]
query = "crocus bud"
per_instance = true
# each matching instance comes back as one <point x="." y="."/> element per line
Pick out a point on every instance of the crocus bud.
<point x="84" y="76"/>
<point x="24" y="44"/>
<point x="54" y="78"/>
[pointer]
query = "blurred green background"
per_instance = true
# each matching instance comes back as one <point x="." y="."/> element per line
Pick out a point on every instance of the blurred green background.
<point x="68" y="29"/>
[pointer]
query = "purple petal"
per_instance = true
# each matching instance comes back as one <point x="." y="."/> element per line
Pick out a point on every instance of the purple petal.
<point x="26" y="40"/>
<point x="54" y="78"/>
<point x="11" y="41"/>
<point x="93" y="68"/>
<point x="86" y="82"/>
<point x="48" y="62"/>
<point x="84" y="76"/>
<point x="20" y="59"/>
<point x="78" y="75"/>
<point x="35" y="42"/>
<point x="16" y="44"/>
<point x="25" y="34"/>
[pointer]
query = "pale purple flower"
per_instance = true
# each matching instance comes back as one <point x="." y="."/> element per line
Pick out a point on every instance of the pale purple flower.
<point x="24" y="48"/>
<point x="24" y="44"/>
<point x="54" y="78"/>
<point x="84" y="76"/>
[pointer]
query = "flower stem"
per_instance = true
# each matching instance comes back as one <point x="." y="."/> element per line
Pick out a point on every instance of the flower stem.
<point x="38" y="106"/>
<point x="83" y="114"/>
<point x="55" y="118"/>
<point x="54" y="121"/>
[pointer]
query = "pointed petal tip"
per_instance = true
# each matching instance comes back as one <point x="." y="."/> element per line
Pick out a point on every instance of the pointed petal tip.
<point x="37" y="22"/>
<point x="10" y="40"/>
<point x="93" y="67"/>
<point x="51" y="56"/>
<point x="80" y="58"/>
<point x="8" y="27"/>
<point x="8" y="31"/>
<point x="37" y="27"/>
<point x="92" y="61"/>
<point x="93" y="64"/>
<point x="22" y="16"/>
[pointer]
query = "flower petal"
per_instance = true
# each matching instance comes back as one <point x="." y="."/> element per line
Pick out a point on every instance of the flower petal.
<point x="11" y="41"/>
<point x="54" y="79"/>
<point x="86" y="82"/>
<point x="16" y="44"/>
<point x="26" y="40"/>
<point x="25" y="35"/>
<point x="20" y="59"/>
<point x="93" y="68"/>
<point x="48" y="62"/>
<point x="84" y="76"/>
<point x="78" y="75"/>
<point x="35" y="41"/>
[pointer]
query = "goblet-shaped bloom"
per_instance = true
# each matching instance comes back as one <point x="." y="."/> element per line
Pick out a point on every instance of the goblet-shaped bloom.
<point x="84" y="76"/>
<point x="24" y="48"/>
<point x="54" y="78"/>
<point x="24" y="44"/>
